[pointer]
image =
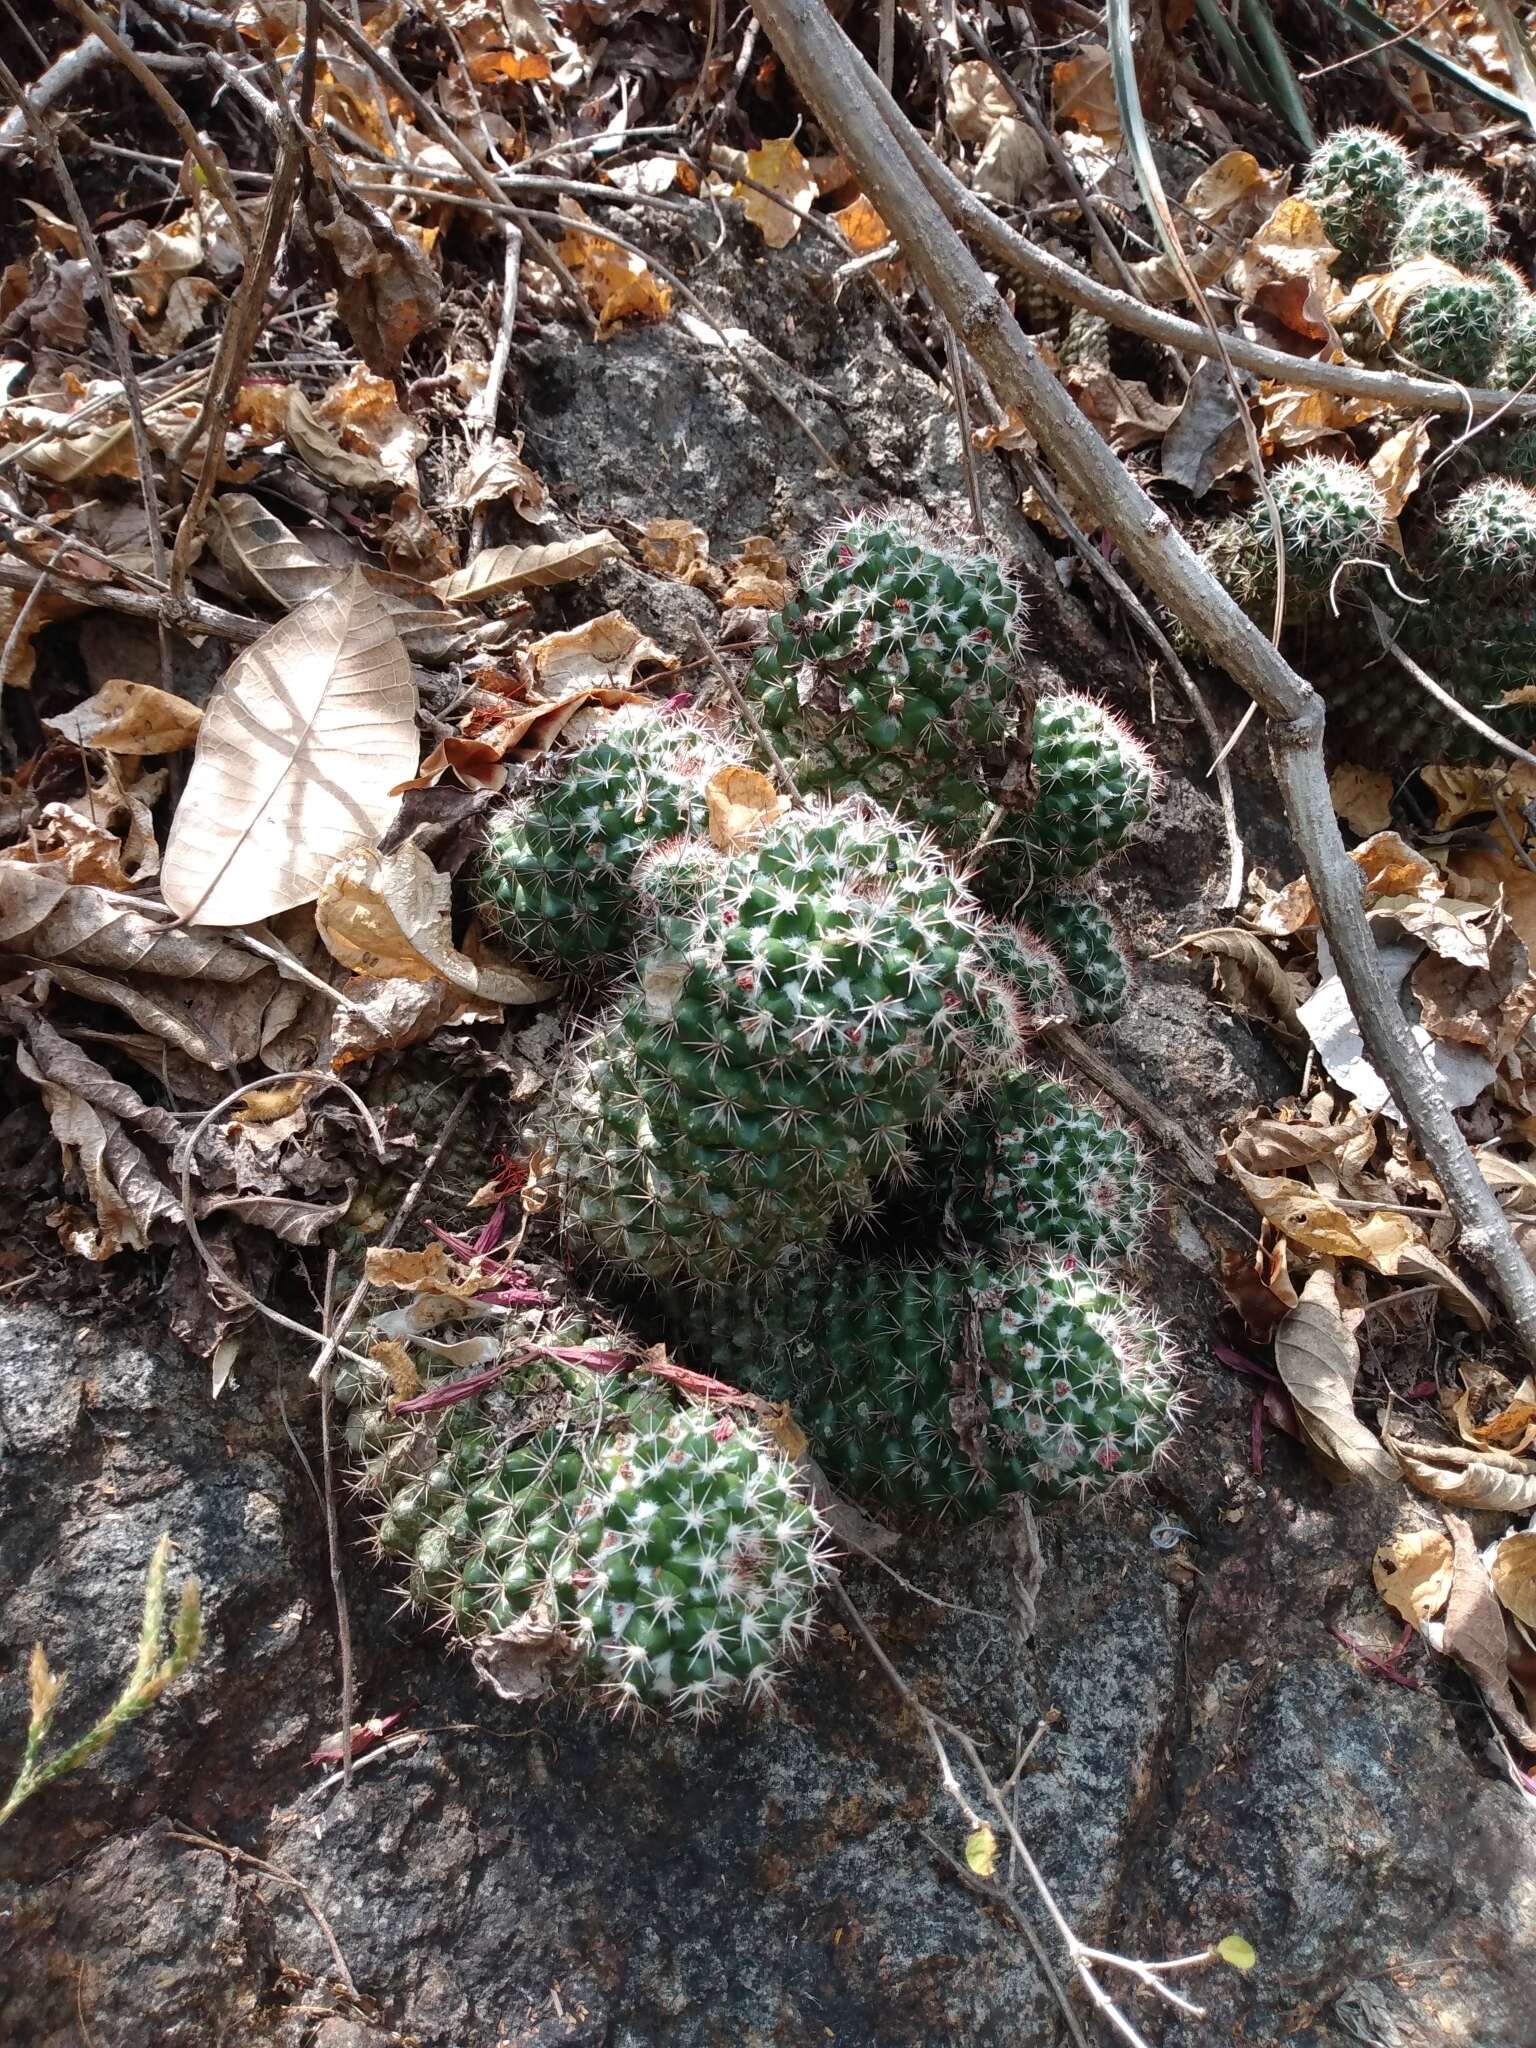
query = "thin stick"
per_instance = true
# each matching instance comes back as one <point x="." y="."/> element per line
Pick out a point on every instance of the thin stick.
<point x="488" y="401"/>
<point x="134" y="64"/>
<point x="64" y="72"/>
<point x="749" y="715"/>
<point x="1445" y="700"/>
<point x="1163" y="1129"/>
<point x="885" y="153"/>
<point x="197" y="1841"/>
<point x="963" y="421"/>
<point x="333" y="1541"/>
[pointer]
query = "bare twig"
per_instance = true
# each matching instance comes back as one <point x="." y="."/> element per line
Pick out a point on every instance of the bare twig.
<point x="1163" y="1129"/>
<point x="874" y="139"/>
<point x="133" y="63"/>
<point x="243" y="1856"/>
<point x="333" y="1540"/>
<point x="1449" y="704"/>
<point x="65" y="72"/>
<point x="192" y="613"/>
<point x="736" y="697"/>
<point x="482" y="411"/>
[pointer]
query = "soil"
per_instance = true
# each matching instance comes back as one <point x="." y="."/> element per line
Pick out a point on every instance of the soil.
<point x="1214" y="1759"/>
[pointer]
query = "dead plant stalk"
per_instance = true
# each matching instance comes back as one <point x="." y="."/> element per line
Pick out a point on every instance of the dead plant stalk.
<point x="885" y="152"/>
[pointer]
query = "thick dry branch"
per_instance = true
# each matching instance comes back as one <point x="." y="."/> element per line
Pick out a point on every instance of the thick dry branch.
<point x="860" y="122"/>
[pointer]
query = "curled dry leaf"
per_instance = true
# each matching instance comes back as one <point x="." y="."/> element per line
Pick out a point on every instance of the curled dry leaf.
<point x="1512" y="1568"/>
<point x="130" y="718"/>
<point x="1248" y="970"/>
<point x="1463" y="1478"/>
<point x="496" y="471"/>
<point x="1083" y="90"/>
<point x="1413" y="1574"/>
<point x="1490" y="1414"/>
<point x="603" y="654"/>
<point x="1317" y="1357"/>
<point x="1011" y="158"/>
<point x="1362" y="797"/>
<point x="1474" y="1634"/>
<point x="254" y="547"/>
<point x="390" y="917"/>
<point x="618" y="284"/>
<point x="758" y="576"/>
<point x="306" y="737"/>
<point x="46" y="918"/>
<point x="1397" y="465"/>
<point x="780" y="167"/>
<point x="386" y="290"/>
<point x="678" y="548"/>
<point x="497" y="572"/>
<point x="742" y="805"/>
<point x="1286" y="271"/>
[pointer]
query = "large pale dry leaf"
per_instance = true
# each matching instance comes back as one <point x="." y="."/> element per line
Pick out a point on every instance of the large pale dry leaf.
<point x="1329" y="1021"/>
<point x="1011" y="158"/>
<point x="1462" y="1478"/>
<point x="388" y="917"/>
<point x="255" y="548"/>
<point x="1512" y="1569"/>
<point x="304" y="740"/>
<point x="780" y="167"/>
<point x="1311" y="1220"/>
<point x="1474" y="1634"/>
<point x="602" y="654"/>
<point x="130" y="718"/>
<point x="496" y="572"/>
<point x="1413" y="1572"/>
<point x="1318" y="1358"/>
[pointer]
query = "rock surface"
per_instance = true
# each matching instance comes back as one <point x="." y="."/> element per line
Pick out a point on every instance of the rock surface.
<point x="1213" y="1760"/>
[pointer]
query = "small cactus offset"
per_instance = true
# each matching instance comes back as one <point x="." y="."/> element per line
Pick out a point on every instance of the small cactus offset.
<point x="1359" y="181"/>
<point x="1331" y="513"/>
<point x="762" y="1078"/>
<point x="556" y="878"/>
<point x="1031" y="1159"/>
<point x="1488" y="533"/>
<point x="1512" y="286"/>
<point x="1452" y="328"/>
<point x="1025" y="964"/>
<point x="1518" y="368"/>
<point x="1094" y="784"/>
<point x="665" y="1559"/>
<point x="952" y="1388"/>
<point x="1446" y="217"/>
<point x="1082" y="936"/>
<point x="893" y="674"/>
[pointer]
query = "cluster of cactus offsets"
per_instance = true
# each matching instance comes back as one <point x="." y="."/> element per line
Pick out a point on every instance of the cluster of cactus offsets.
<point x="1029" y="1159"/>
<point x="951" y="1388"/>
<point x="1094" y="782"/>
<point x="569" y="1536"/>
<point x="893" y="674"/>
<point x="1453" y="328"/>
<point x="1331" y="513"/>
<point x="1081" y="933"/>
<point x="1488" y="534"/>
<point x="1446" y="217"/>
<point x="556" y="877"/>
<point x="759" y="1080"/>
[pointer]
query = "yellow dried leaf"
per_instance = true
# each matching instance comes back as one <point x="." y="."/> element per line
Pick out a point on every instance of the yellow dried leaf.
<point x="784" y="171"/>
<point x="1459" y="1477"/>
<point x="677" y="548"/>
<point x="781" y="1426"/>
<point x="431" y="1271"/>
<point x="1413" y="1572"/>
<point x="1396" y="466"/>
<point x="1513" y="1572"/>
<point x="1387" y="293"/>
<point x="497" y="572"/>
<point x="742" y="804"/>
<point x="865" y="232"/>
<point x="388" y="917"/>
<point x="1287" y="270"/>
<point x="1237" y="1950"/>
<point x="759" y="576"/>
<point x="981" y="1851"/>
<point x="130" y="718"/>
<point x="1294" y="418"/>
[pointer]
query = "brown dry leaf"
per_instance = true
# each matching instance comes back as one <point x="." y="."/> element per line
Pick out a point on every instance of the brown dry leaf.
<point x="54" y="233"/>
<point x="742" y="805"/>
<point x="390" y="917"/>
<point x="759" y="576"/>
<point x="431" y="1271"/>
<point x="365" y="414"/>
<point x="1286" y="270"/>
<point x="1312" y="1221"/>
<point x="1493" y="871"/>
<point x="780" y="166"/>
<point x="304" y="739"/>
<point x="1391" y="867"/>
<point x="1248" y="969"/>
<point x="1083" y="90"/>
<point x="514" y="67"/>
<point x="186" y="307"/>
<point x="390" y="1016"/>
<point x="263" y="557"/>
<point x="1208" y="440"/>
<point x="1012" y="434"/>
<point x="1462" y="792"/>
<point x="474" y="764"/>
<point x="678" y="548"/>
<point x="1463" y="1478"/>
<point x="1413" y="1573"/>
<point x="618" y="284"/>
<point x="1396" y="466"/>
<point x="1293" y="418"/>
<point x="288" y="415"/>
<point x="387" y="292"/>
<point x="865" y="232"/>
<point x="496" y="471"/>
<point x="1362" y="797"/>
<point x="602" y="654"/>
<point x="1317" y="1357"/>
<point x="79" y="849"/>
<point x="1011" y="158"/>
<point x="1512" y="1424"/>
<point x="130" y="718"/>
<point x="497" y="572"/>
<point x="1475" y="1635"/>
<point x="1124" y="411"/>
<point x="45" y="917"/>
<point x="1259" y="1286"/>
<point x="1486" y="1006"/>
<point x="1513" y="1572"/>
<point x="23" y="656"/>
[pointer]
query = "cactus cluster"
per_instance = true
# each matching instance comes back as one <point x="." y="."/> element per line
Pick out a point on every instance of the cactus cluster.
<point x="1446" y="217"/>
<point x="952" y="1387"/>
<point x="1359" y="181"/>
<point x="1453" y="327"/>
<point x="556" y="880"/>
<point x="568" y="1535"/>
